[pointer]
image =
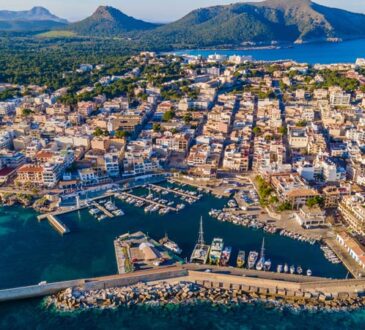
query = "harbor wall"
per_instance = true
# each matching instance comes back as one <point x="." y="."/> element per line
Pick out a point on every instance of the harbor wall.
<point x="35" y="291"/>
<point x="285" y="286"/>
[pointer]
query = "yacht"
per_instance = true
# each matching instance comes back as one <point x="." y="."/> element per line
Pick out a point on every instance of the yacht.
<point x="261" y="262"/>
<point x="252" y="258"/>
<point x="241" y="258"/>
<point x="286" y="268"/>
<point x="216" y="251"/>
<point x="292" y="269"/>
<point x="279" y="268"/>
<point x="226" y="255"/>
<point x="309" y="272"/>
<point x="299" y="270"/>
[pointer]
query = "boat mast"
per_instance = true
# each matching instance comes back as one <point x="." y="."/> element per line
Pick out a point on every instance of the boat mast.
<point x="262" y="248"/>
<point x="201" y="233"/>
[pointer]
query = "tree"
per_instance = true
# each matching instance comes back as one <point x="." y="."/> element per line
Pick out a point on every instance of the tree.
<point x="301" y="123"/>
<point x="283" y="130"/>
<point x="313" y="201"/>
<point x="257" y="130"/>
<point x="156" y="127"/>
<point x="188" y="118"/>
<point x="99" y="132"/>
<point x="168" y="115"/>
<point x="120" y="134"/>
<point x="27" y="112"/>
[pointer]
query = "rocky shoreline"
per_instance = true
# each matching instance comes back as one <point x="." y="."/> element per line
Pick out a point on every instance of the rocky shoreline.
<point x="75" y="299"/>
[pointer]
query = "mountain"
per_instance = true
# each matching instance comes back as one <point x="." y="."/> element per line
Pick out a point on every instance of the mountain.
<point x="279" y="20"/>
<point x="109" y="21"/>
<point x="35" y="19"/>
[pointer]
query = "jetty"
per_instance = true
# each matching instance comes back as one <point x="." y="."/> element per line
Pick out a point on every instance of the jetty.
<point x="58" y="224"/>
<point x="282" y="287"/>
<point x="149" y="201"/>
<point x="176" y="192"/>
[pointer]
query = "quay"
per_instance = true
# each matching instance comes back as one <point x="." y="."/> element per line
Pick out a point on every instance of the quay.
<point x="149" y="201"/>
<point x="282" y="285"/>
<point x="176" y="192"/>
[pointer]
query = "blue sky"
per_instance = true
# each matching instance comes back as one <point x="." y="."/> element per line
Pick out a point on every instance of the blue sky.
<point x="153" y="10"/>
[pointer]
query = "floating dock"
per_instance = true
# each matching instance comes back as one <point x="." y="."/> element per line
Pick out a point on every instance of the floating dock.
<point x="103" y="209"/>
<point x="176" y="192"/>
<point x="149" y="201"/>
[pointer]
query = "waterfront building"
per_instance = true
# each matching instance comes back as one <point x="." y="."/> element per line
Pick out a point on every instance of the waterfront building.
<point x="310" y="217"/>
<point x="353" y="247"/>
<point x="353" y="212"/>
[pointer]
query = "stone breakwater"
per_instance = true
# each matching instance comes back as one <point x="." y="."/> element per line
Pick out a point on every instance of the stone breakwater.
<point x="73" y="299"/>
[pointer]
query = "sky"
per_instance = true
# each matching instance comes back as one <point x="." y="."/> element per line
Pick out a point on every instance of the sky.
<point x="151" y="10"/>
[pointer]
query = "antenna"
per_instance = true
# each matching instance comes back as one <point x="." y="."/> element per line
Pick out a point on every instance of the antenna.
<point x="201" y="233"/>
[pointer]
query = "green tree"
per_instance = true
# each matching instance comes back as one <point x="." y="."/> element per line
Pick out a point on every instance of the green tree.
<point x="120" y="134"/>
<point x="168" y="115"/>
<point x="156" y="127"/>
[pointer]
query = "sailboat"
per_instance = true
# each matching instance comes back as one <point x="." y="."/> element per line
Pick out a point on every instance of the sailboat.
<point x="261" y="262"/>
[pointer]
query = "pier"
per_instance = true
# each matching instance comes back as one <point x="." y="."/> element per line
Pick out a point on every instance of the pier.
<point x="149" y="201"/>
<point x="57" y="224"/>
<point x="176" y="192"/>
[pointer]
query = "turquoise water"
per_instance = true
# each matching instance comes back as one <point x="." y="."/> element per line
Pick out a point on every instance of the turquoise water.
<point x="32" y="251"/>
<point x="324" y="53"/>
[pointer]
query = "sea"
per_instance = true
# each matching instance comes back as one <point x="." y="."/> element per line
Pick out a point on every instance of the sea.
<point x="312" y="53"/>
<point x="32" y="251"/>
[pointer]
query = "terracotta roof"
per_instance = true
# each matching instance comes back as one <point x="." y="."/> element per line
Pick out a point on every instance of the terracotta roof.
<point x="30" y="169"/>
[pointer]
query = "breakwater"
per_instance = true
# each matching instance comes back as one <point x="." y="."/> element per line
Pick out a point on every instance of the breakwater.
<point x="219" y="285"/>
<point x="186" y="292"/>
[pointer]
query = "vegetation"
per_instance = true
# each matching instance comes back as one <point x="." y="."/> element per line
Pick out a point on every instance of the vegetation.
<point x="265" y="191"/>
<point x="168" y="115"/>
<point x="285" y="206"/>
<point x="314" y="201"/>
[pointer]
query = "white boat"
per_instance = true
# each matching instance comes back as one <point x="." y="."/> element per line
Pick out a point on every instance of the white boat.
<point x="286" y="268"/>
<point x="261" y="262"/>
<point x="292" y="269"/>
<point x="299" y="270"/>
<point x="216" y="251"/>
<point x="252" y="258"/>
<point x="309" y="272"/>
<point x="279" y="268"/>
<point x="267" y="265"/>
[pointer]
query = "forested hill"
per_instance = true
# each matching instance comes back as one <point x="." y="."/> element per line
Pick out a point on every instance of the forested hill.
<point x="109" y="21"/>
<point x="271" y="20"/>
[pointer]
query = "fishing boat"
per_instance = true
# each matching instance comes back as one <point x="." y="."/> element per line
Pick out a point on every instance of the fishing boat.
<point x="261" y="262"/>
<point x="216" y="251"/>
<point x="170" y="245"/>
<point x="252" y="258"/>
<point x="286" y="268"/>
<point x="309" y="272"/>
<point x="292" y="269"/>
<point x="226" y="255"/>
<point x="279" y="268"/>
<point x="241" y="259"/>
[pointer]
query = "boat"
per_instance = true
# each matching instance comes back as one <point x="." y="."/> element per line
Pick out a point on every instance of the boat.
<point x="261" y="262"/>
<point x="292" y="269"/>
<point x="267" y="265"/>
<point x="252" y="258"/>
<point x="286" y="268"/>
<point x="299" y="270"/>
<point x="118" y="212"/>
<point x="309" y="272"/>
<point x="170" y="245"/>
<point x="226" y="255"/>
<point x="279" y="268"/>
<point x="216" y="251"/>
<point x="201" y="250"/>
<point x="241" y="259"/>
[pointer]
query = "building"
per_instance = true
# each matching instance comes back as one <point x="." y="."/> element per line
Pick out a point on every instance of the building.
<point x="353" y="212"/>
<point x="311" y="217"/>
<point x="340" y="99"/>
<point x="353" y="247"/>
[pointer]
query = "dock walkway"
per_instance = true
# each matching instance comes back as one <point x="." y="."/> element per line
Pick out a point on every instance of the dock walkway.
<point x="58" y="224"/>
<point x="176" y="192"/>
<point x="149" y="201"/>
<point x="103" y="209"/>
